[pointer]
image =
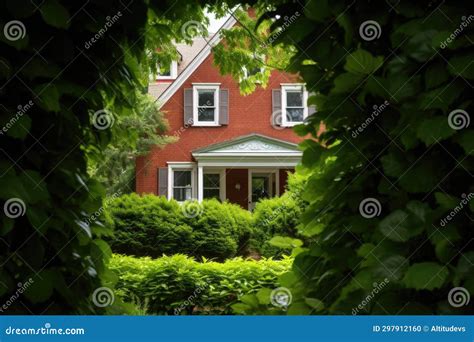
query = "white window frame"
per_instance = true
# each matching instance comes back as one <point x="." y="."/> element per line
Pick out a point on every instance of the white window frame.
<point x="246" y="73"/>
<point x="181" y="166"/>
<point x="289" y="87"/>
<point x="222" y="182"/>
<point x="206" y="86"/>
<point x="173" y="72"/>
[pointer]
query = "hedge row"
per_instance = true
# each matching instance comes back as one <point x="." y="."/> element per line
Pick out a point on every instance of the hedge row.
<point x="152" y="226"/>
<point x="178" y="285"/>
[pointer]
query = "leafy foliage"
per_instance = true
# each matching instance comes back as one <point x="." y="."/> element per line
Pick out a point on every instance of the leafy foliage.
<point x="179" y="285"/>
<point x="69" y="61"/>
<point x="143" y="128"/>
<point x="410" y="157"/>
<point x="152" y="226"/>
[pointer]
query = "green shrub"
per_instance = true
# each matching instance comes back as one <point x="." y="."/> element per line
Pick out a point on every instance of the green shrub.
<point x="149" y="226"/>
<point x="152" y="226"/>
<point x="275" y="216"/>
<point x="179" y="285"/>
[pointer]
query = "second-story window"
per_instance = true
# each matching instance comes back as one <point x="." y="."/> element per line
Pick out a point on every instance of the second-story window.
<point x="168" y="71"/>
<point x="206" y="105"/>
<point x="294" y="108"/>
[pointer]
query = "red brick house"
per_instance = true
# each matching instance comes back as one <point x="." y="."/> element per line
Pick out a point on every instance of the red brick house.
<point x="233" y="147"/>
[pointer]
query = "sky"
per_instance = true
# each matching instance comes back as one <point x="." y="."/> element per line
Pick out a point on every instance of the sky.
<point x="215" y="24"/>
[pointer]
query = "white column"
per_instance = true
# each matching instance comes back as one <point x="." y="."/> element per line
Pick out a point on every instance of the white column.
<point x="277" y="182"/>
<point x="200" y="185"/>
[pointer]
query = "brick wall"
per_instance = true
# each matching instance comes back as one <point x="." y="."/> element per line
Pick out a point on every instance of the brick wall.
<point x="247" y="114"/>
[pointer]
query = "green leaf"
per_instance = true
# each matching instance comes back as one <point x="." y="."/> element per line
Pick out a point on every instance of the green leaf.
<point x="447" y="202"/>
<point x="466" y="140"/>
<point x="299" y="308"/>
<point x="317" y="10"/>
<point x="395" y="226"/>
<point x="20" y="128"/>
<point x="346" y="83"/>
<point x="41" y="288"/>
<point x="285" y="242"/>
<point x="263" y="296"/>
<point x="311" y="229"/>
<point x="48" y="97"/>
<point x="434" y="129"/>
<point x="55" y="14"/>
<point x="462" y="66"/>
<point x="316" y="304"/>
<point x="435" y="75"/>
<point x="250" y="299"/>
<point x="241" y="308"/>
<point x="425" y="276"/>
<point x="362" y="62"/>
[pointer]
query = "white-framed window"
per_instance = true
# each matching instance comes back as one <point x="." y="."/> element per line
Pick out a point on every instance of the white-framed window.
<point x="206" y="105"/>
<point x="183" y="184"/>
<point x="212" y="185"/>
<point x="168" y="72"/>
<point x="252" y="71"/>
<point x="293" y="100"/>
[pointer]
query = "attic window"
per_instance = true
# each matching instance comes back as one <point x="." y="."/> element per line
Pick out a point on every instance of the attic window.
<point x="168" y="72"/>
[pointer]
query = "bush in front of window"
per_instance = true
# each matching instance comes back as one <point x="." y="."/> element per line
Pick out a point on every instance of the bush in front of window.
<point x="279" y="216"/>
<point x="148" y="226"/>
<point x="220" y="231"/>
<point x="152" y="226"/>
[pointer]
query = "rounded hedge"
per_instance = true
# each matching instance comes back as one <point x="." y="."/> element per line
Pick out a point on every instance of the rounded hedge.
<point x="152" y="226"/>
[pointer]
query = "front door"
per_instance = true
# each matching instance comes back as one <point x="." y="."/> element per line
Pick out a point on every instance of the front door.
<point x="261" y="186"/>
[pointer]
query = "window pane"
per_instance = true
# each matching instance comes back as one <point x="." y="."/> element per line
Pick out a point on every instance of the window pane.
<point x="211" y="180"/>
<point x="211" y="193"/>
<point x="294" y="114"/>
<point x="182" y="178"/>
<point x="182" y="194"/>
<point x="294" y="98"/>
<point x="206" y="114"/>
<point x="164" y="70"/>
<point x="206" y="97"/>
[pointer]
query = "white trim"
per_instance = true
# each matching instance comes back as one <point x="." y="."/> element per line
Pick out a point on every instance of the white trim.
<point x="293" y="86"/>
<point x="195" y="63"/>
<point x="222" y="181"/>
<point x="181" y="166"/>
<point x="204" y="86"/>
<point x="173" y="72"/>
